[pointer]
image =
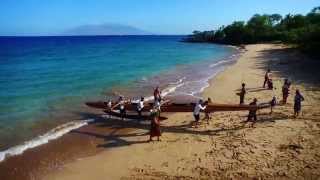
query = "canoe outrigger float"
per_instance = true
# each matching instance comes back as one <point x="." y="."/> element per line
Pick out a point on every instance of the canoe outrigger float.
<point x="178" y="107"/>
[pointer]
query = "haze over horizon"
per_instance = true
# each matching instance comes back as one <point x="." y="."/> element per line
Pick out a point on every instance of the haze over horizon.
<point x="40" y="17"/>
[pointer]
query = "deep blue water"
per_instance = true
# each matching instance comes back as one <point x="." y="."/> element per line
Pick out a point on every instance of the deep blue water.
<point x="41" y="77"/>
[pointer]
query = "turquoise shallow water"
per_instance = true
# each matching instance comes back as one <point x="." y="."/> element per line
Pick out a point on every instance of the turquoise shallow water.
<point x="45" y="78"/>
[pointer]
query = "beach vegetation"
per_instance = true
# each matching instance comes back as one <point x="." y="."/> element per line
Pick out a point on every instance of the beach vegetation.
<point x="303" y="31"/>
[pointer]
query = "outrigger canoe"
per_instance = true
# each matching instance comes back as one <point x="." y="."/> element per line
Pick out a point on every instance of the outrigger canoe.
<point x="185" y="107"/>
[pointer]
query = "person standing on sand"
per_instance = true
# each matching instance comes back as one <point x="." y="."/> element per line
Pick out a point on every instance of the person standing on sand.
<point x="273" y="103"/>
<point x="242" y="93"/>
<point x="196" y="112"/>
<point x="298" y="98"/>
<point x="207" y="113"/>
<point x="285" y="91"/>
<point x="253" y="112"/>
<point x="155" y="124"/>
<point x="267" y="77"/>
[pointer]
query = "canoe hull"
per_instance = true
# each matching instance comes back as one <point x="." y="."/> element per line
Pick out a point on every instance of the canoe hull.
<point x="131" y="116"/>
<point x="187" y="107"/>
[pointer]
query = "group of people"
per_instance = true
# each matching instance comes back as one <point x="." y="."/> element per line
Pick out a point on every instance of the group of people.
<point x="154" y="112"/>
<point x="285" y="94"/>
<point x="202" y="105"/>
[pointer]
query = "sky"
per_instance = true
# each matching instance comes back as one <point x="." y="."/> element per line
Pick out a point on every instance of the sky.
<point x="50" y="17"/>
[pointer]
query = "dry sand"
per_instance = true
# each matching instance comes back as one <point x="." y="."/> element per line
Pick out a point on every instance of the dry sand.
<point x="277" y="146"/>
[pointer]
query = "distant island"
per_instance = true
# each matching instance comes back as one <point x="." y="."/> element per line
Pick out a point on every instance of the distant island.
<point x="105" y="29"/>
<point x="302" y="31"/>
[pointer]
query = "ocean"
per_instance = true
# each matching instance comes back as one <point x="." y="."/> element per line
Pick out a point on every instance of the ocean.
<point x="44" y="81"/>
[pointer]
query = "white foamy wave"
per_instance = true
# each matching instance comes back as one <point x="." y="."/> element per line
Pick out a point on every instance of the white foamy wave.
<point x="43" y="139"/>
<point x="179" y="81"/>
<point x="219" y="63"/>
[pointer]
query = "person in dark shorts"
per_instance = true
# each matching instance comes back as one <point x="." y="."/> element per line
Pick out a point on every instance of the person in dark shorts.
<point x="242" y="93"/>
<point x="270" y="84"/>
<point x="196" y="112"/>
<point x="298" y="98"/>
<point x="285" y="91"/>
<point x="253" y="112"/>
<point x="267" y="76"/>
<point x="273" y="103"/>
<point x="207" y="113"/>
<point x="122" y="107"/>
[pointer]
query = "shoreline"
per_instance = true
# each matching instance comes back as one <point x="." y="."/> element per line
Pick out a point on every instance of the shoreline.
<point x="61" y="129"/>
<point x="55" y="137"/>
<point x="220" y="142"/>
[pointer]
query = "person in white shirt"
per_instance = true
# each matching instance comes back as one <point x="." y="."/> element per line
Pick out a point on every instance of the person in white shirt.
<point x="122" y="108"/>
<point x="109" y="107"/>
<point x="196" y="111"/>
<point x="140" y="106"/>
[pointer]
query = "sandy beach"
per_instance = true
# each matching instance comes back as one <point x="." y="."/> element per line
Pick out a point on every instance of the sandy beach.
<point x="276" y="146"/>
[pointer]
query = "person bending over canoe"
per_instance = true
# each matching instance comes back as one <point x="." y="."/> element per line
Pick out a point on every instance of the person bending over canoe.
<point x="242" y="93"/>
<point x="121" y="103"/>
<point x="196" y="112"/>
<point x="298" y="98"/>
<point x="155" y="124"/>
<point x="140" y="106"/>
<point x="253" y="112"/>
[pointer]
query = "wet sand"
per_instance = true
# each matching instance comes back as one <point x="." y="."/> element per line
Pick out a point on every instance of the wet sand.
<point x="276" y="146"/>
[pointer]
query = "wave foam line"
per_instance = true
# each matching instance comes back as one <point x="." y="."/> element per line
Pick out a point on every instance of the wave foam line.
<point x="43" y="139"/>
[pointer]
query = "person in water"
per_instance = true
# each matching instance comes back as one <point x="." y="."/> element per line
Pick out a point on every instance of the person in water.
<point x="157" y="94"/>
<point x="196" y="112"/>
<point x="207" y="113"/>
<point x="242" y="93"/>
<point x="285" y="91"/>
<point x="253" y="112"/>
<point x="155" y="124"/>
<point x="140" y="106"/>
<point x="298" y="98"/>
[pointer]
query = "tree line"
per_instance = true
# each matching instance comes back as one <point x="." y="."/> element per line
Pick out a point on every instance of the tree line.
<point x="300" y="30"/>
